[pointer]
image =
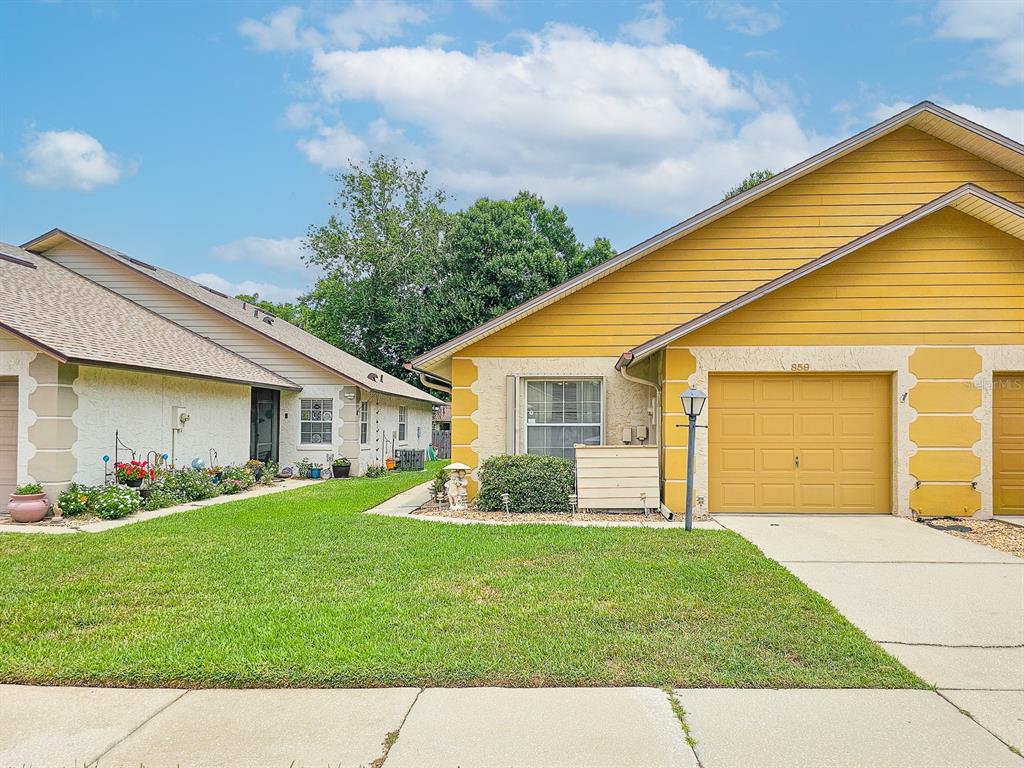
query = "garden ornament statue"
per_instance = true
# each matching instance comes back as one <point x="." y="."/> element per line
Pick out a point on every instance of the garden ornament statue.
<point x="457" y="487"/>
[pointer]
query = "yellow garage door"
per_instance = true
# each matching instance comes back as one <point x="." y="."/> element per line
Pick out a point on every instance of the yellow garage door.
<point x="8" y="439"/>
<point x="1008" y="444"/>
<point x="799" y="443"/>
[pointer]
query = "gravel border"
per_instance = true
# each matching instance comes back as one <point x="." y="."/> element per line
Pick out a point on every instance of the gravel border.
<point x="991" y="533"/>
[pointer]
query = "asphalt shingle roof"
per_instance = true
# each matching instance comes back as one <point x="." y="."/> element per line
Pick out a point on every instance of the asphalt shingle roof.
<point x="306" y="344"/>
<point x="81" y="321"/>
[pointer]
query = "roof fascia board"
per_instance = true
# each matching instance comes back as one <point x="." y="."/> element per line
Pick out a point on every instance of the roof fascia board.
<point x="183" y="374"/>
<point x="967" y="190"/>
<point x="710" y="214"/>
<point x="60" y="356"/>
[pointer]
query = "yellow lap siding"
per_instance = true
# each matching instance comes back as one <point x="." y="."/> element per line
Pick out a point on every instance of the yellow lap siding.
<point x="947" y="279"/>
<point x="785" y="229"/>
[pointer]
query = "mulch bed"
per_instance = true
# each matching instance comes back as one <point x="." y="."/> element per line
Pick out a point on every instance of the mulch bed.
<point x="992" y="533"/>
<point x="432" y="509"/>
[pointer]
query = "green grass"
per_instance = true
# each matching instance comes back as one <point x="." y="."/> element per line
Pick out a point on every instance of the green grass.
<point x="299" y="589"/>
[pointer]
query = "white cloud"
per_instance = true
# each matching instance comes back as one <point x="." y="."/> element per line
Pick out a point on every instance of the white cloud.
<point x="280" y="31"/>
<point x="754" y="20"/>
<point x="268" y="291"/>
<point x="282" y="254"/>
<point x="1009" y="122"/>
<point x="363" y="20"/>
<point x="333" y="147"/>
<point x="490" y="7"/>
<point x="998" y="23"/>
<point x="375" y="20"/>
<point x="651" y="26"/>
<point x="649" y="127"/>
<point x="70" y="159"/>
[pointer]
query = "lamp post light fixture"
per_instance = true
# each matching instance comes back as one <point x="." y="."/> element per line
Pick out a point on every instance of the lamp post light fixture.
<point x="693" y="403"/>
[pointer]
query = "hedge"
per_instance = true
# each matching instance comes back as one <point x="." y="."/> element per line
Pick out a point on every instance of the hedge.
<point x="534" y="483"/>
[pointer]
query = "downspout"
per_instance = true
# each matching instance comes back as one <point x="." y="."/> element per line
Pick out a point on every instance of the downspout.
<point x="430" y="381"/>
<point x="623" y="362"/>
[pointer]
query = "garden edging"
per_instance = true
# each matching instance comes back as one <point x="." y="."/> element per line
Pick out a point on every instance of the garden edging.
<point x="105" y="525"/>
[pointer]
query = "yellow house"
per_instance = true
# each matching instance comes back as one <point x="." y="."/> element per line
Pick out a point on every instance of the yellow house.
<point x="857" y="322"/>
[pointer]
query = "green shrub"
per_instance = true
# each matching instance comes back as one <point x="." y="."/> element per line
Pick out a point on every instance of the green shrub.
<point x="437" y="487"/>
<point x="533" y="483"/>
<point x="376" y="471"/>
<point x="77" y="499"/>
<point x="160" y="496"/>
<point x="116" y="501"/>
<point x="28" y="489"/>
<point x="188" y="484"/>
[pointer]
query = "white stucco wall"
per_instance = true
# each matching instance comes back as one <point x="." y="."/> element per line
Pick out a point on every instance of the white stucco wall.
<point x="383" y="437"/>
<point x="138" y="405"/>
<point x="626" y="403"/>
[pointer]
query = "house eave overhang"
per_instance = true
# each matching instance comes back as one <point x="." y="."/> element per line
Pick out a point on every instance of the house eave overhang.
<point x="969" y="198"/>
<point x="922" y="112"/>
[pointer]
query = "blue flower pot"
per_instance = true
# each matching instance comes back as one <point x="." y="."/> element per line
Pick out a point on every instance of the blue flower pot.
<point x="314" y="474"/>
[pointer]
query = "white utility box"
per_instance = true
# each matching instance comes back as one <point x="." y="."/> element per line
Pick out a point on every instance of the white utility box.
<point x="617" y="477"/>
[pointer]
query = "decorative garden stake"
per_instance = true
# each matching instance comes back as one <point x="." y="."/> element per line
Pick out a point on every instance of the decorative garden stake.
<point x="457" y="487"/>
<point x="693" y="403"/>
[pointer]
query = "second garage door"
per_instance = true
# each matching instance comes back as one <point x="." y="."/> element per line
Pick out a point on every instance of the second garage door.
<point x="799" y="443"/>
<point x="1008" y="444"/>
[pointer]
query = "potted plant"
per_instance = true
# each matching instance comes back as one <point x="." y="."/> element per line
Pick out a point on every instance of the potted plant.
<point x="303" y="467"/>
<point x="132" y="473"/>
<point x="341" y="467"/>
<point x="315" y="471"/>
<point x="255" y="468"/>
<point x="389" y="462"/>
<point x="28" y="503"/>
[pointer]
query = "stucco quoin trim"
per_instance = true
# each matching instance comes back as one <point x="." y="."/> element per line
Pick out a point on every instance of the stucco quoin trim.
<point x="921" y="116"/>
<point x="985" y="203"/>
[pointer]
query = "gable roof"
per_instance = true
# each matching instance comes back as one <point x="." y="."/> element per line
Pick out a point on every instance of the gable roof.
<point x="275" y="329"/>
<point x="76" y="320"/>
<point x="970" y="199"/>
<point x="926" y="116"/>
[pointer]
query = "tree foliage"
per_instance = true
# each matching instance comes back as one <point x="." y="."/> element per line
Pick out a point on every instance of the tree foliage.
<point x="501" y="253"/>
<point x="378" y="253"/>
<point x="755" y="178"/>
<point x="284" y="309"/>
<point x="401" y="274"/>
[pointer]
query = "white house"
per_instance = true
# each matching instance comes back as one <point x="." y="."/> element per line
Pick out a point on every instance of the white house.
<point x="95" y="343"/>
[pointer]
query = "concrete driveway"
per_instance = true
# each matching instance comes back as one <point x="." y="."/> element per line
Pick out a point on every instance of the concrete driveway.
<point x="951" y="610"/>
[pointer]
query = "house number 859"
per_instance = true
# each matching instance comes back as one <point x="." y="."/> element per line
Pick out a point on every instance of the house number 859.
<point x="800" y="367"/>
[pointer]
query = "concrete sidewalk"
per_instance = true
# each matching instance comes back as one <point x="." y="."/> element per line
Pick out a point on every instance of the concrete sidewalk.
<point x="488" y="727"/>
<point x="949" y="609"/>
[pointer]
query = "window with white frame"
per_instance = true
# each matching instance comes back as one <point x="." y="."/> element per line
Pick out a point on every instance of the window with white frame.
<point x="316" y="421"/>
<point x="560" y="414"/>
<point x="364" y="422"/>
<point x="403" y="422"/>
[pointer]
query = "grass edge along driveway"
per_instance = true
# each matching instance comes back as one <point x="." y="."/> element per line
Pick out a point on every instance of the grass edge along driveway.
<point x="300" y="589"/>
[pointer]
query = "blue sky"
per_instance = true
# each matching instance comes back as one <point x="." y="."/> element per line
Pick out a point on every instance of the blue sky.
<point x="204" y="136"/>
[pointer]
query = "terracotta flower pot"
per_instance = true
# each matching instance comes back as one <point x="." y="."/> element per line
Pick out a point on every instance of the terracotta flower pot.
<point x="389" y="463"/>
<point x="30" y="508"/>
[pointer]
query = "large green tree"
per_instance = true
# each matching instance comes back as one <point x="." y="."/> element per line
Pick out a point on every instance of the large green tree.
<point x="377" y="253"/>
<point x="402" y="274"/>
<point x="504" y="252"/>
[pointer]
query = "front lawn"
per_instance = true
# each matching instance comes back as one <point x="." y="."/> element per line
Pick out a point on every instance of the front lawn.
<point x="299" y="589"/>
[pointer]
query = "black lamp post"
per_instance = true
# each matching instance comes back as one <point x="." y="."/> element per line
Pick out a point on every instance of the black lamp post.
<point x="693" y="403"/>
